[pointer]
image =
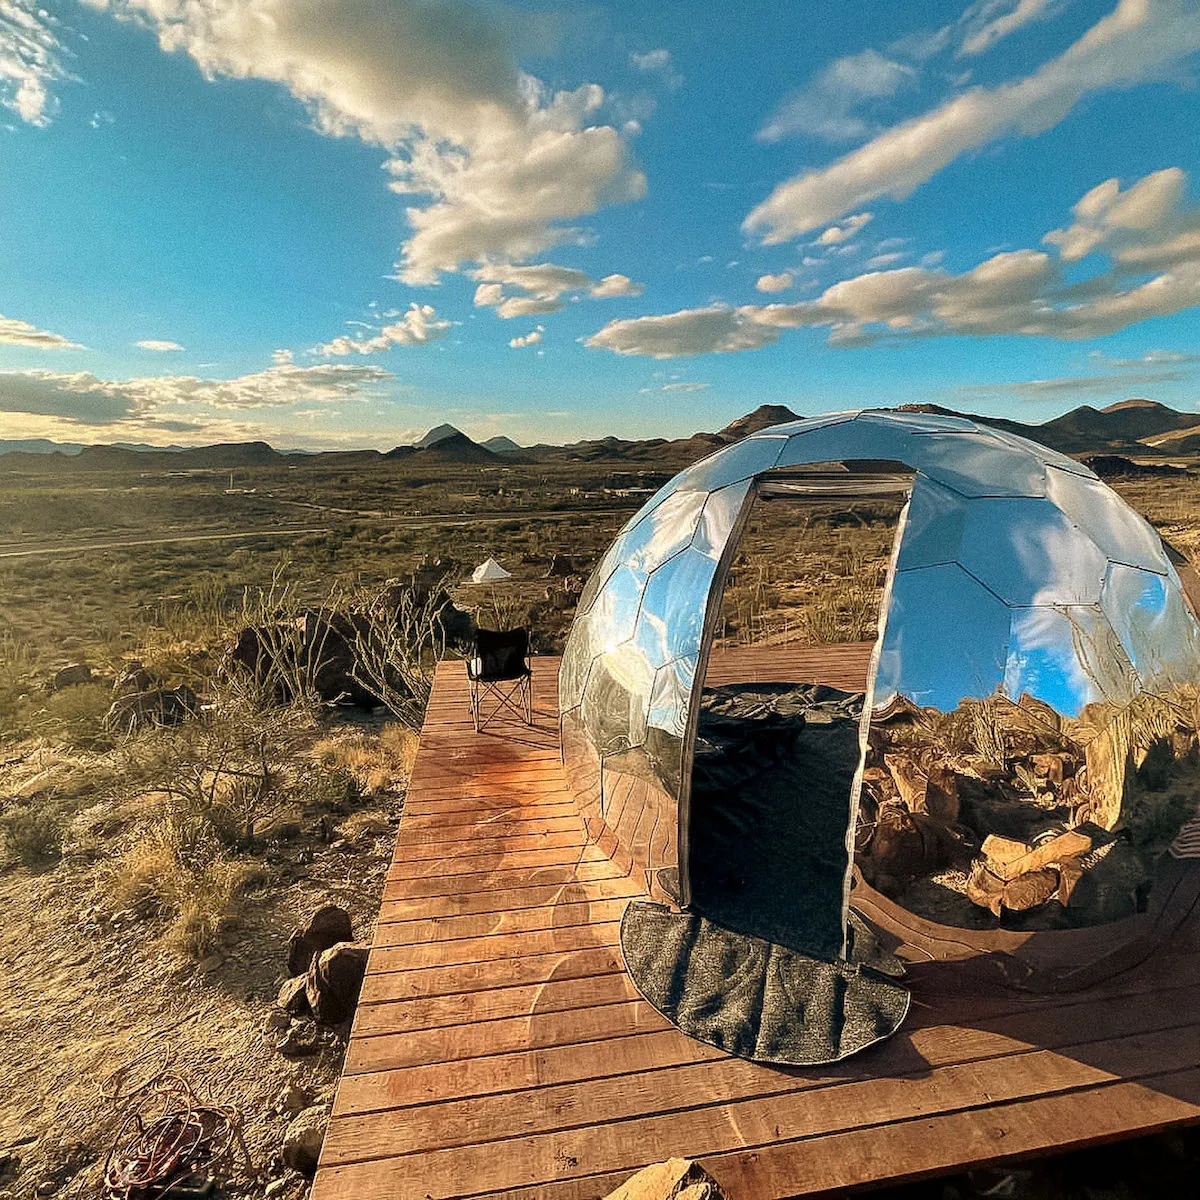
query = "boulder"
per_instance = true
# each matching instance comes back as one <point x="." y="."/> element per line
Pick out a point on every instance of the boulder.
<point x="71" y="676"/>
<point x="292" y="998"/>
<point x="302" y="1141"/>
<point x="334" y="981"/>
<point x="675" y="1179"/>
<point x="163" y="706"/>
<point x="326" y="927"/>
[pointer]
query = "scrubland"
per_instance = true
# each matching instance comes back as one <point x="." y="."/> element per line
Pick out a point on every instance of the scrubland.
<point x="149" y="879"/>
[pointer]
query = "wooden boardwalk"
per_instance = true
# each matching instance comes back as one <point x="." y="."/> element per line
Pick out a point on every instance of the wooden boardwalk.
<point x="500" y="1050"/>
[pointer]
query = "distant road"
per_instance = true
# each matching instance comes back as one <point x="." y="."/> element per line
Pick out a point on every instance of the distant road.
<point x="433" y="520"/>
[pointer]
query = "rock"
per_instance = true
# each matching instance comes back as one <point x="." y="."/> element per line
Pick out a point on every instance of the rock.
<point x="326" y="927"/>
<point x="132" y="679"/>
<point x="334" y="981"/>
<point x="302" y="1141"/>
<point x="277" y="1187"/>
<point x="277" y="1021"/>
<point x="301" y="1040"/>
<point x="207" y="965"/>
<point x="71" y="676"/>
<point x="560" y="565"/>
<point x="675" y="1179"/>
<point x="292" y="998"/>
<point x="164" y="706"/>
<point x="291" y="1100"/>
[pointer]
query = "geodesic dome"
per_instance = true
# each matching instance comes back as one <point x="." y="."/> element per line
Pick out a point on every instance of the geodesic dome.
<point x="1015" y="572"/>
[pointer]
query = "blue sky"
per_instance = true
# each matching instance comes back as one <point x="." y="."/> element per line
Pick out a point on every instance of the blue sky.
<point x="333" y="224"/>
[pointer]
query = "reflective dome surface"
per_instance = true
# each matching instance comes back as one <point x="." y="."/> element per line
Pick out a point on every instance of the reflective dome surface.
<point x="1016" y="572"/>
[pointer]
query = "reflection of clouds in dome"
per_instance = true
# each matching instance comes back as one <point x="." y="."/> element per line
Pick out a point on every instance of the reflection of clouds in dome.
<point x="665" y="531"/>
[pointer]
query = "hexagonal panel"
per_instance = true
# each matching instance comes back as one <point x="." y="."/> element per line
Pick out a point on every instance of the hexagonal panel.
<point x="662" y="533"/>
<point x="933" y="526"/>
<point x="946" y="639"/>
<point x="742" y="460"/>
<point x="721" y="510"/>
<point x="616" y="700"/>
<point x="675" y="602"/>
<point x="576" y="662"/>
<point x="805" y="423"/>
<point x="614" y="614"/>
<point x="1103" y="516"/>
<point x="919" y="422"/>
<point x="1154" y="624"/>
<point x="979" y="464"/>
<point x="858" y="438"/>
<point x="671" y="695"/>
<point x="1028" y="552"/>
<point x="1067" y="657"/>
<point x="1050" y="457"/>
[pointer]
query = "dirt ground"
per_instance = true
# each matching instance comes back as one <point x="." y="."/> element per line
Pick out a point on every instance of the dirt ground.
<point x="88" y="990"/>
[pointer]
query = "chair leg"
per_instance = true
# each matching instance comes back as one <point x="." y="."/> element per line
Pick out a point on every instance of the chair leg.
<point x="528" y="700"/>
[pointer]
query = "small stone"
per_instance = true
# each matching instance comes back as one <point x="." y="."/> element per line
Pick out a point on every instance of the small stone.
<point x="276" y="1188"/>
<point x="292" y="997"/>
<point x="47" y="1187"/>
<point x="66" y="677"/>
<point x="302" y="1141"/>
<point x="672" y="1180"/>
<point x="301" y="1040"/>
<point x="291" y="1100"/>
<point x="207" y="965"/>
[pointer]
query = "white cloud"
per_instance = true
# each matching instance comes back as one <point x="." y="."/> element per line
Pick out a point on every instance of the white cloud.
<point x="418" y="326"/>
<point x="530" y="339"/>
<point x="775" y="283"/>
<point x="843" y="232"/>
<point x="544" y="286"/>
<point x="652" y="60"/>
<point x="827" y="107"/>
<point x="506" y="163"/>
<point x="21" y="333"/>
<point x="1018" y="292"/>
<point x="30" y="60"/>
<point x="281" y="357"/>
<point x="84" y="398"/>
<point x="159" y="345"/>
<point x="657" y="62"/>
<point x="992" y="20"/>
<point x="880" y="261"/>
<point x="684" y="387"/>
<point x="1135" y="42"/>
<point x="692" y="331"/>
<point x="615" y="285"/>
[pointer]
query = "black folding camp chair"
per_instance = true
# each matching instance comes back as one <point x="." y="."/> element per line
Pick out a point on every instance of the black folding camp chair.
<point x="499" y="669"/>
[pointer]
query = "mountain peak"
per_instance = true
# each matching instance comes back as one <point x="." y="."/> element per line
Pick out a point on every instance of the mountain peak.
<point x="439" y="433"/>
<point x="763" y="417"/>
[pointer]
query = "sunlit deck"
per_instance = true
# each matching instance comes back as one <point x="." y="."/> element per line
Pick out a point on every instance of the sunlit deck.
<point x="500" y="1049"/>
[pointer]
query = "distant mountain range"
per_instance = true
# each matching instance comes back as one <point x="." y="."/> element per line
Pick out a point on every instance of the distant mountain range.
<point x="1129" y="427"/>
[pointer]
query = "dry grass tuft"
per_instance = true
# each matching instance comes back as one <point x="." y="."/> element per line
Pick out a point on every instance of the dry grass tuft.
<point x="376" y="763"/>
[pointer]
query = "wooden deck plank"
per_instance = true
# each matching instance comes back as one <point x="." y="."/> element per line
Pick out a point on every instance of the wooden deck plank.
<point x="500" y="1048"/>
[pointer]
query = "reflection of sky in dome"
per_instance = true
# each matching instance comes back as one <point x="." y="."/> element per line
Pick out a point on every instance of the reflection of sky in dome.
<point x="664" y="532"/>
<point x="614" y="614"/>
<point x="1066" y="657"/>
<point x="668" y="700"/>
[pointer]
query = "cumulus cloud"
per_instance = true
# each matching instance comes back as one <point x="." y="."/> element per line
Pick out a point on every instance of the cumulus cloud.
<point x="1135" y="42"/>
<point x="775" y="283"/>
<point x="843" y="232"/>
<point x="543" y="288"/>
<point x="21" y="333"/>
<point x="992" y="20"/>
<point x="281" y="357"/>
<point x="615" y="285"/>
<point x="1018" y="292"/>
<point x="30" y="60"/>
<point x="505" y="164"/>
<point x="158" y="345"/>
<point x="84" y="398"/>
<point x="830" y="105"/>
<point x="530" y="339"/>
<point x="692" y="331"/>
<point x="419" y="325"/>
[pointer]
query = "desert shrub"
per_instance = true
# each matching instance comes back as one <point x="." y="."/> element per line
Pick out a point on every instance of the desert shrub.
<point x="32" y="833"/>
<point x="74" y="716"/>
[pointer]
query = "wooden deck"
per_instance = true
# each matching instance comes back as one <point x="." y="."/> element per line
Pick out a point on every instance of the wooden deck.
<point x="500" y="1050"/>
